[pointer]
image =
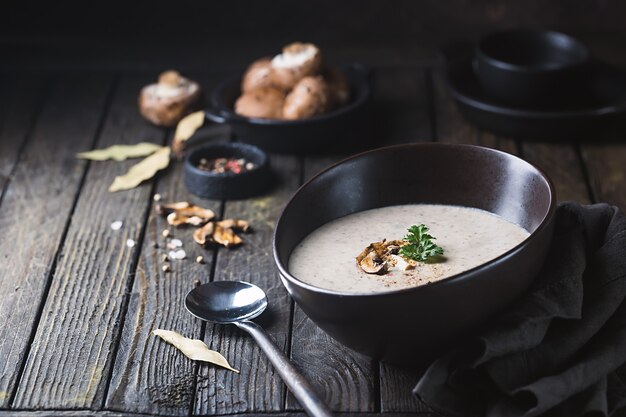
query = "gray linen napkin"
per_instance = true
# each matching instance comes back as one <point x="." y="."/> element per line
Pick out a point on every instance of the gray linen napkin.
<point x="558" y="350"/>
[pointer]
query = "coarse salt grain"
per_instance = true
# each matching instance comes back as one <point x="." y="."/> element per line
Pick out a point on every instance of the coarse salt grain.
<point x="176" y="243"/>
<point x="117" y="225"/>
<point x="177" y="254"/>
<point x="130" y="243"/>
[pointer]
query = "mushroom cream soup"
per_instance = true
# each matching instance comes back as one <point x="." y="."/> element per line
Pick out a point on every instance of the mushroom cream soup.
<point x="469" y="237"/>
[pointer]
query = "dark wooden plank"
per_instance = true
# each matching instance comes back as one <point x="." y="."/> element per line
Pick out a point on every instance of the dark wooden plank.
<point x="606" y="162"/>
<point x="20" y="104"/>
<point x="562" y="164"/>
<point x="68" y="413"/>
<point x="400" y="105"/>
<point x="150" y="376"/>
<point x="606" y="167"/>
<point x="258" y="388"/>
<point x="451" y="127"/>
<point x="106" y="413"/>
<point x="36" y="208"/>
<point x="80" y="321"/>
<point x="559" y="161"/>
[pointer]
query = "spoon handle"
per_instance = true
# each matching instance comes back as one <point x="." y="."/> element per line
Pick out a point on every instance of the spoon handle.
<point x="295" y="381"/>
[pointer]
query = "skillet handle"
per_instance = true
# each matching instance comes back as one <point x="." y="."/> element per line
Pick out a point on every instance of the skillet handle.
<point x="295" y="381"/>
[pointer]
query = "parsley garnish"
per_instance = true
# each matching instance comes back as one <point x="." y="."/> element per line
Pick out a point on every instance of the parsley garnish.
<point x="421" y="246"/>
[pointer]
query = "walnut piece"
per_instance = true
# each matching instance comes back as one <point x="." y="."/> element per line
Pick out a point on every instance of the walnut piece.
<point x="221" y="233"/>
<point x="182" y="212"/>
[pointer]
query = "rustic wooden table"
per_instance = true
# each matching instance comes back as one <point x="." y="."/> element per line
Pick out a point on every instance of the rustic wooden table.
<point x="78" y="305"/>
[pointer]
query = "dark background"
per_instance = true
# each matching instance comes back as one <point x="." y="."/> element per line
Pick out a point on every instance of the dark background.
<point x="347" y="20"/>
<point x="113" y="33"/>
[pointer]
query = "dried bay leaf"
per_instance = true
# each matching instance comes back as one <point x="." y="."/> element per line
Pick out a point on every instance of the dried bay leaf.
<point x="120" y="152"/>
<point x="185" y="129"/>
<point x="194" y="349"/>
<point x="142" y="171"/>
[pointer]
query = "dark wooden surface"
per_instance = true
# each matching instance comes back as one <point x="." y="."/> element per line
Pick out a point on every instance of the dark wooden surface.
<point x="78" y="305"/>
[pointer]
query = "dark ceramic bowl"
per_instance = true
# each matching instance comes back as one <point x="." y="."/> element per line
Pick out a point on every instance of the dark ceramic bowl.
<point x="411" y="326"/>
<point x="343" y="128"/>
<point x="530" y="67"/>
<point x="227" y="185"/>
<point x="597" y="114"/>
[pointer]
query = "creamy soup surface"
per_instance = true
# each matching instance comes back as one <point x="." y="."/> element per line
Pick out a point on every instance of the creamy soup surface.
<point x="468" y="236"/>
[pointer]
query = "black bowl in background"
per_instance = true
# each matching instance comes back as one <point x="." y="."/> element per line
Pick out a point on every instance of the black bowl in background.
<point x="347" y="127"/>
<point x="227" y="185"/>
<point x="530" y="67"/>
<point x="596" y="114"/>
<point x="412" y="326"/>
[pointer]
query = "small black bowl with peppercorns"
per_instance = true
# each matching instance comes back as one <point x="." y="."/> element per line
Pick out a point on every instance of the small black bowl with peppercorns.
<point x="227" y="171"/>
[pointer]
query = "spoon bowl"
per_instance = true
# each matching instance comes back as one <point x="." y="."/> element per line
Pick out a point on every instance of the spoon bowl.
<point x="226" y="302"/>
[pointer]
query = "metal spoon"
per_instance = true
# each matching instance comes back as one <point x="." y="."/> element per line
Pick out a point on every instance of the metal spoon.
<point x="237" y="302"/>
